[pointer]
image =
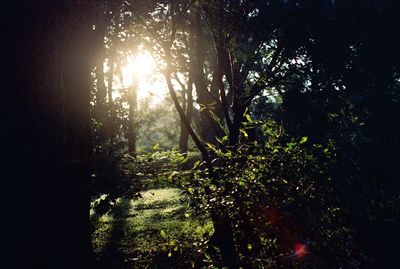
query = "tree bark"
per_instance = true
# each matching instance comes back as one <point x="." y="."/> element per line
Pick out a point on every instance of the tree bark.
<point x="132" y="121"/>
<point x="210" y="129"/>
<point x="45" y="114"/>
<point x="184" y="134"/>
<point x="100" y="31"/>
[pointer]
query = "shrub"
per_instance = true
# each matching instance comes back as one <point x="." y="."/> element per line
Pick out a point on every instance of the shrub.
<point x="279" y="200"/>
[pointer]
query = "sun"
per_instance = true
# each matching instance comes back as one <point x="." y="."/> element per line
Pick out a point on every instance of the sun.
<point x="140" y="71"/>
<point x="137" y="67"/>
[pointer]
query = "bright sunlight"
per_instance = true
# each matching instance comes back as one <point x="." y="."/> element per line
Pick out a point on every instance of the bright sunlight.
<point x="140" y="70"/>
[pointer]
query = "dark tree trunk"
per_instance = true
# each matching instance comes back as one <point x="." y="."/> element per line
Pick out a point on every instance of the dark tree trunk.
<point x="112" y="127"/>
<point x="132" y="121"/>
<point x="234" y="127"/>
<point x="100" y="113"/>
<point x="210" y="129"/>
<point x="45" y="115"/>
<point x="184" y="134"/>
<point x="224" y="240"/>
<point x="100" y="31"/>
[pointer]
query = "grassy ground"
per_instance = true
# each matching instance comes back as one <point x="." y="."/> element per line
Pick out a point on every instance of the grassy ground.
<point x="154" y="231"/>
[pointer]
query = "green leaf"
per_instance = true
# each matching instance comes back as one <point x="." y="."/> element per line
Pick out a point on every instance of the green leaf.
<point x="249" y="247"/>
<point x="172" y="175"/>
<point x="249" y="119"/>
<point x="212" y="147"/>
<point x="196" y="164"/>
<point x="163" y="234"/>
<point x="244" y="133"/>
<point x="291" y="145"/>
<point x="303" y="140"/>
<point x="155" y="147"/>
<point x="208" y="257"/>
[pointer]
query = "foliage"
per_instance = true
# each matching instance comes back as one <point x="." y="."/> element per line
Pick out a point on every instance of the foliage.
<point x="349" y="97"/>
<point x="107" y="129"/>
<point x="126" y="176"/>
<point x="158" y="125"/>
<point x="279" y="200"/>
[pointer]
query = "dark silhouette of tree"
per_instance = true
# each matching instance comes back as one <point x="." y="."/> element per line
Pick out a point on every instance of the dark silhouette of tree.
<point x="132" y="130"/>
<point x="46" y="63"/>
<point x="187" y="105"/>
<point x="349" y="97"/>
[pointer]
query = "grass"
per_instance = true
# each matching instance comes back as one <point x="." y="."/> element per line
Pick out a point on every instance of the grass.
<point x="154" y="231"/>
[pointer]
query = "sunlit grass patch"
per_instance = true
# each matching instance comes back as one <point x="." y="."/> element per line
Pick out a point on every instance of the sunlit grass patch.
<point x="153" y="228"/>
<point x="161" y="197"/>
<point x="102" y="233"/>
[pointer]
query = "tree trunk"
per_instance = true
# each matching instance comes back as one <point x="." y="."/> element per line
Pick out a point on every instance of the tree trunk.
<point x="234" y="129"/>
<point x="132" y="121"/>
<point x="224" y="240"/>
<point x="100" y="31"/>
<point x="184" y="134"/>
<point x="100" y="112"/>
<point x="210" y="129"/>
<point x="45" y="114"/>
<point x="112" y="128"/>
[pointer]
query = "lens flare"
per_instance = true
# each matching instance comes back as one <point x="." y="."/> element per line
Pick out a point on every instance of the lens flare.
<point x="300" y="250"/>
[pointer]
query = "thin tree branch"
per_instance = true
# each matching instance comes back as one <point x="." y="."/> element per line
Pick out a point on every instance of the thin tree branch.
<point x="183" y="117"/>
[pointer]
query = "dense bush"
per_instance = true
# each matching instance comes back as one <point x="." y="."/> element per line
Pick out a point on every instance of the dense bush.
<point x="279" y="199"/>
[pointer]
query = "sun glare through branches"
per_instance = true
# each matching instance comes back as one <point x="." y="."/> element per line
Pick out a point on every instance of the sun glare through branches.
<point x="140" y="71"/>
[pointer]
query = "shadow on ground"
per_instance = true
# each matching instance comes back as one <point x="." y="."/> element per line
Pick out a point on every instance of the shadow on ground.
<point x="154" y="231"/>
